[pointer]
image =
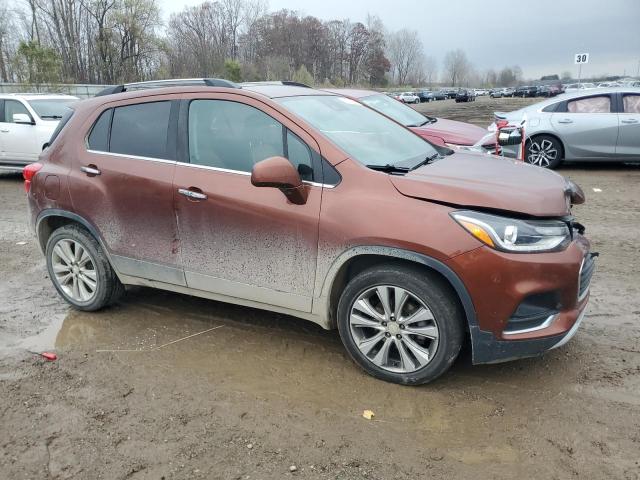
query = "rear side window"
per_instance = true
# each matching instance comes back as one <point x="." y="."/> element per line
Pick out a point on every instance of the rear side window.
<point x="551" y="108"/>
<point x="631" y="103"/>
<point x="99" y="137"/>
<point x="599" y="104"/>
<point x="141" y="130"/>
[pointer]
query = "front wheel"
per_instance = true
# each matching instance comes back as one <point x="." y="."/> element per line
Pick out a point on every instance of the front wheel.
<point x="544" y="151"/>
<point x="401" y="324"/>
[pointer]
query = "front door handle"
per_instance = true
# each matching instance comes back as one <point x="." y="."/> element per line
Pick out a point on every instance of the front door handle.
<point x="630" y="120"/>
<point x="4" y="131"/>
<point x="90" y="170"/>
<point x="192" y="194"/>
<point x="565" y="120"/>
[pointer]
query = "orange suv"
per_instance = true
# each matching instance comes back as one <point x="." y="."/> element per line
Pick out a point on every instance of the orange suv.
<point x="308" y="203"/>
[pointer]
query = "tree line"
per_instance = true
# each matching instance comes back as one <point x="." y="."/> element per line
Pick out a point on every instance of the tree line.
<point x="115" y="41"/>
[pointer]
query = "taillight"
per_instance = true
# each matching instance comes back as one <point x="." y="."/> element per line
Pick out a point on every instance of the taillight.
<point x="28" y="173"/>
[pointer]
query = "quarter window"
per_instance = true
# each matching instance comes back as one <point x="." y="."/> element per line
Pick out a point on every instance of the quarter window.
<point x="299" y="155"/>
<point x="631" y="103"/>
<point x="141" y="130"/>
<point x="600" y="104"/>
<point x="99" y="136"/>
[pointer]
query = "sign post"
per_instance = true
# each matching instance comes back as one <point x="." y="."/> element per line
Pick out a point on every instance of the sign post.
<point x="579" y="59"/>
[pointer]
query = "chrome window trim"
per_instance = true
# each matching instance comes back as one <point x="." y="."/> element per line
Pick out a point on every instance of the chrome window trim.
<point x="543" y="325"/>
<point x="241" y="172"/>
<point x="135" y="157"/>
<point x="192" y="165"/>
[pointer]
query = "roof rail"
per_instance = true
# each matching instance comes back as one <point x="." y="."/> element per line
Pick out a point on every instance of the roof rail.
<point x="127" y="87"/>
<point x="288" y="83"/>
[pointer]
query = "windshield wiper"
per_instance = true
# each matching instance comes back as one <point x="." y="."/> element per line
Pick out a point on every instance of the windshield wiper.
<point x="51" y="116"/>
<point x="389" y="168"/>
<point x="427" y="161"/>
<point x="428" y="120"/>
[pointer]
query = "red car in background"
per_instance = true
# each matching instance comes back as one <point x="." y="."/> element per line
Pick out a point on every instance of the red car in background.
<point x="439" y="131"/>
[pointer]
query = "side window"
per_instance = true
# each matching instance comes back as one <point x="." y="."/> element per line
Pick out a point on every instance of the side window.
<point x="12" y="107"/>
<point x="299" y="155"/>
<point x="600" y="104"/>
<point x="631" y="103"/>
<point x="551" y="108"/>
<point x="232" y="135"/>
<point x="141" y="129"/>
<point x="99" y="137"/>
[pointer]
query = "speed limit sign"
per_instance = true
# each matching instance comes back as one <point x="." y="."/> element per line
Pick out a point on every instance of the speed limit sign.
<point x="581" y="58"/>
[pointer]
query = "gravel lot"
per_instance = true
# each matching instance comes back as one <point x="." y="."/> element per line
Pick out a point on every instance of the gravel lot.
<point x="265" y="392"/>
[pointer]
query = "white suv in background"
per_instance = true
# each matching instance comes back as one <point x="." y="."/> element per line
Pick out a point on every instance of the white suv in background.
<point x="27" y="122"/>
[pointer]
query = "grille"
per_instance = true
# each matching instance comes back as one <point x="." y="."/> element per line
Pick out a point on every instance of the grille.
<point x="586" y="272"/>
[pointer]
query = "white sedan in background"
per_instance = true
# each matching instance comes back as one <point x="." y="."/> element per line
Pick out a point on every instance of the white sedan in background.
<point x="409" y="97"/>
<point x="588" y="125"/>
<point x="27" y="122"/>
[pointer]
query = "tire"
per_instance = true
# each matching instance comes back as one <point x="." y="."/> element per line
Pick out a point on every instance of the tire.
<point x="545" y="144"/>
<point x="64" y="257"/>
<point x="426" y="293"/>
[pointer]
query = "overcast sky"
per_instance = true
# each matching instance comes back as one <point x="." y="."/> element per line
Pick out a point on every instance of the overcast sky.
<point x="539" y="35"/>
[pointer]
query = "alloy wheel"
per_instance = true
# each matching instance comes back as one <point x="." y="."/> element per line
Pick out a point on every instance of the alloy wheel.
<point x="74" y="270"/>
<point x="542" y="153"/>
<point x="394" y="329"/>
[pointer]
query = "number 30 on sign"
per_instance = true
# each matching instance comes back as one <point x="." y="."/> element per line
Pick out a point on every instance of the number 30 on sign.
<point x="581" y="58"/>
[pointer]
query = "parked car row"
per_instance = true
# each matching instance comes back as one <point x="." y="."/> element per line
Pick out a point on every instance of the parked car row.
<point x="465" y="95"/>
<point x="238" y="194"/>
<point x="527" y="91"/>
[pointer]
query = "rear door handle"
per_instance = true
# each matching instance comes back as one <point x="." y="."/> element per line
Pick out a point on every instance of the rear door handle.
<point x="192" y="194"/>
<point x="630" y="120"/>
<point x="565" y="120"/>
<point x="90" y="170"/>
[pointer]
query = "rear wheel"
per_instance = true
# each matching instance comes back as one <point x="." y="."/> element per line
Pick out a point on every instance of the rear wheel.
<point x="544" y="151"/>
<point x="79" y="269"/>
<point x="400" y="324"/>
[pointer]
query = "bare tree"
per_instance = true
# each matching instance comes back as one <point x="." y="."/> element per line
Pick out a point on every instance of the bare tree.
<point x="404" y="50"/>
<point x="456" y="67"/>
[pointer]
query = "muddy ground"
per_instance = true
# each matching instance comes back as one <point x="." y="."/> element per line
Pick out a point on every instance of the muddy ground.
<point x="263" y="392"/>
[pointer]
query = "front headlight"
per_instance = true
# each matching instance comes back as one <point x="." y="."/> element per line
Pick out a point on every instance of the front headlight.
<point x="515" y="235"/>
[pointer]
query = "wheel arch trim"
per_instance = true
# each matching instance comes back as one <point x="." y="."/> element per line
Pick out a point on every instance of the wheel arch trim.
<point x="324" y="302"/>
<point x="56" y="212"/>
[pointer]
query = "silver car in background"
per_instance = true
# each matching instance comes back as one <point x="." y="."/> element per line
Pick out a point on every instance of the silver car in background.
<point x="594" y="125"/>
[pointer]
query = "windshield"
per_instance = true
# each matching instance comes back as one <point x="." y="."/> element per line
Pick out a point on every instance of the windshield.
<point x="363" y="134"/>
<point x="52" y="109"/>
<point x="396" y="110"/>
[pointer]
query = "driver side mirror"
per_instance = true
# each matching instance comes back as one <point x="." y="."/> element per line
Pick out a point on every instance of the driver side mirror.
<point x="22" y="118"/>
<point x="278" y="172"/>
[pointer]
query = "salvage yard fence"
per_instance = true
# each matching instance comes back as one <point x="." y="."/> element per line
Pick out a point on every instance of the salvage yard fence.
<point x="78" y="90"/>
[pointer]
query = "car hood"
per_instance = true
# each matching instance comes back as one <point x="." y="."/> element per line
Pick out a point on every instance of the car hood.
<point x="478" y="181"/>
<point x="451" y="131"/>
